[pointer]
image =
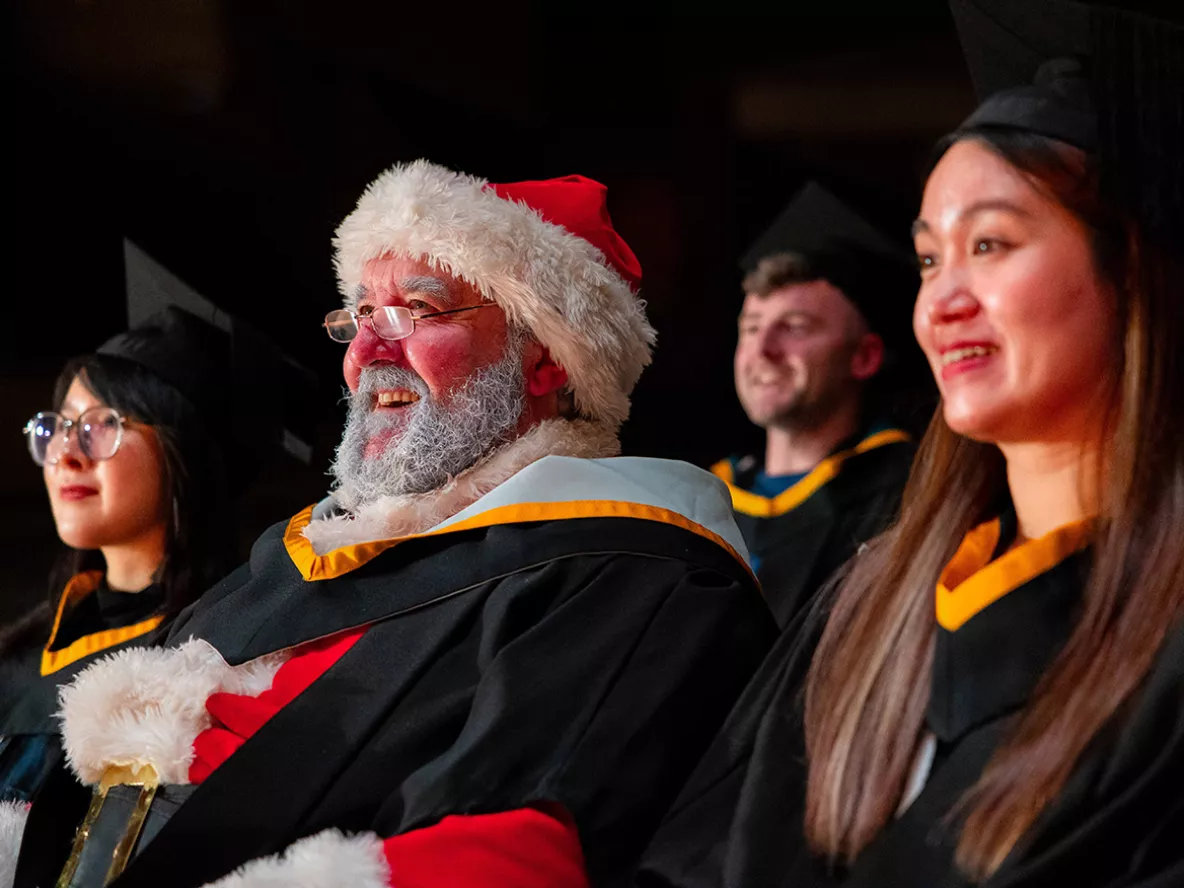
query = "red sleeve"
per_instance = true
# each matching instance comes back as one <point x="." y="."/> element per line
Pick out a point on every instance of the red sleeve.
<point x="235" y="718"/>
<point x="528" y="848"/>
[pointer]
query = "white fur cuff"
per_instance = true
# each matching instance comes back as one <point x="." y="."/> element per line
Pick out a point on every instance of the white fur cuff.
<point x="327" y="860"/>
<point x="146" y="706"/>
<point x="12" y="827"/>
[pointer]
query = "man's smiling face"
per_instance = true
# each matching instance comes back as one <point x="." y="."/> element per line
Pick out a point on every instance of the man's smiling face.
<point x="425" y="408"/>
<point x="442" y="352"/>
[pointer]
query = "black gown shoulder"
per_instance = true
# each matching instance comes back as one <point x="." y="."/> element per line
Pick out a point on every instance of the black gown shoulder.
<point x="1119" y="821"/>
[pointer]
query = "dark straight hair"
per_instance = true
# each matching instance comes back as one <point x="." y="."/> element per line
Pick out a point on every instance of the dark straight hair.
<point x="869" y="681"/>
<point x="199" y="549"/>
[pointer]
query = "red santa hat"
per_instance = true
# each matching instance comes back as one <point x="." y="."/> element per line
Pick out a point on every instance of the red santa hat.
<point x="546" y="252"/>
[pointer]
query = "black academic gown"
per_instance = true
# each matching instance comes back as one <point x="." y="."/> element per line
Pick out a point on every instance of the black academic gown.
<point x="1118" y="822"/>
<point x="92" y="620"/>
<point x="585" y="662"/>
<point x="801" y="537"/>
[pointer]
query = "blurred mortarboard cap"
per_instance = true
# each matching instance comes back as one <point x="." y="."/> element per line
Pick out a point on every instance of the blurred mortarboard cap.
<point x="253" y="398"/>
<point x="878" y="275"/>
<point x="1027" y="61"/>
<point x="1109" y="81"/>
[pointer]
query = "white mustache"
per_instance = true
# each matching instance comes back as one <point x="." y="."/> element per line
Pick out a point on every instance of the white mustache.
<point x="373" y="379"/>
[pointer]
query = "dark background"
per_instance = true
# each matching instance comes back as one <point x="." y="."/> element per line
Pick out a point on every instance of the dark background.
<point x="228" y="138"/>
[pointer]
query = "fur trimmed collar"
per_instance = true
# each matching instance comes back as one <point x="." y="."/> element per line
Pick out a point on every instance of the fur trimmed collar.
<point x="398" y="516"/>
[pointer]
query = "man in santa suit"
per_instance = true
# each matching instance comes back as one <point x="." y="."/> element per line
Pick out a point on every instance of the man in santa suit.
<point x="493" y="654"/>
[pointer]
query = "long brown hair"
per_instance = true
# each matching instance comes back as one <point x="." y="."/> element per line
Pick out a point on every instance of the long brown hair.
<point x="869" y="681"/>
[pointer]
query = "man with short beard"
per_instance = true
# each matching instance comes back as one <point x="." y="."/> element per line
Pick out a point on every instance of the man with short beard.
<point x="494" y="653"/>
<point x="825" y="296"/>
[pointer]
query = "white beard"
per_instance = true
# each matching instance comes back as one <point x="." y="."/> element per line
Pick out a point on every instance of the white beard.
<point x="439" y="441"/>
<point x="391" y="517"/>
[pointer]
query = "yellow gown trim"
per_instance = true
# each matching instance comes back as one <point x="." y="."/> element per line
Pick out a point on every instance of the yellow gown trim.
<point x="341" y="561"/>
<point x="971" y="582"/>
<point x="78" y="588"/>
<point x="749" y="503"/>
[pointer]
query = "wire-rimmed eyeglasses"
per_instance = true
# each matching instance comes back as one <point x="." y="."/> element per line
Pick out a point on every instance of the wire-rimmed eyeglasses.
<point x="389" y="322"/>
<point x="100" y="432"/>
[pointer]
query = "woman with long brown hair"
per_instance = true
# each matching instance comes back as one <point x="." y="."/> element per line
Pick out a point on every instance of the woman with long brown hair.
<point x="994" y="692"/>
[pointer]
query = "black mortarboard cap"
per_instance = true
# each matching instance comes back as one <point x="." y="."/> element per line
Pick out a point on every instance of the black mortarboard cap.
<point x="252" y="397"/>
<point x="841" y="246"/>
<point x="1027" y="63"/>
<point x="1107" y="80"/>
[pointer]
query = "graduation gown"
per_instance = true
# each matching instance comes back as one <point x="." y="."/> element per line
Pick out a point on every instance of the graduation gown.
<point x="91" y="620"/>
<point x="571" y="641"/>
<point x="1117" y="822"/>
<point x="802" y="536"/>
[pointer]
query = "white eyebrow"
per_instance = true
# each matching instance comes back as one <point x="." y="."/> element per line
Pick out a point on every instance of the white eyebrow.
<point x="429" y="286"/>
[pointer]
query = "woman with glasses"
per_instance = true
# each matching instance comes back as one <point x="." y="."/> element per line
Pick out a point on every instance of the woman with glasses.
<point x="137" y="483"/>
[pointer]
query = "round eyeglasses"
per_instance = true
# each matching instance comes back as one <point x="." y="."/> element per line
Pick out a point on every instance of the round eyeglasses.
<point x="388" y="321"/>
<point x="100" y="432"/>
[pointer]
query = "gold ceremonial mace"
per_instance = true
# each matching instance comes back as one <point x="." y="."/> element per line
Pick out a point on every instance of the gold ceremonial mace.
<point x="120" y="775"/>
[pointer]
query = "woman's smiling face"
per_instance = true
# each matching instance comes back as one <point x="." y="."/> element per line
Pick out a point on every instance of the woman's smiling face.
<point x="1015" y="320"/>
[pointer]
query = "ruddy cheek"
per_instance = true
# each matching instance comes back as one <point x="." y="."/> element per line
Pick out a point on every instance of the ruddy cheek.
<point x="443" y="362"/>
